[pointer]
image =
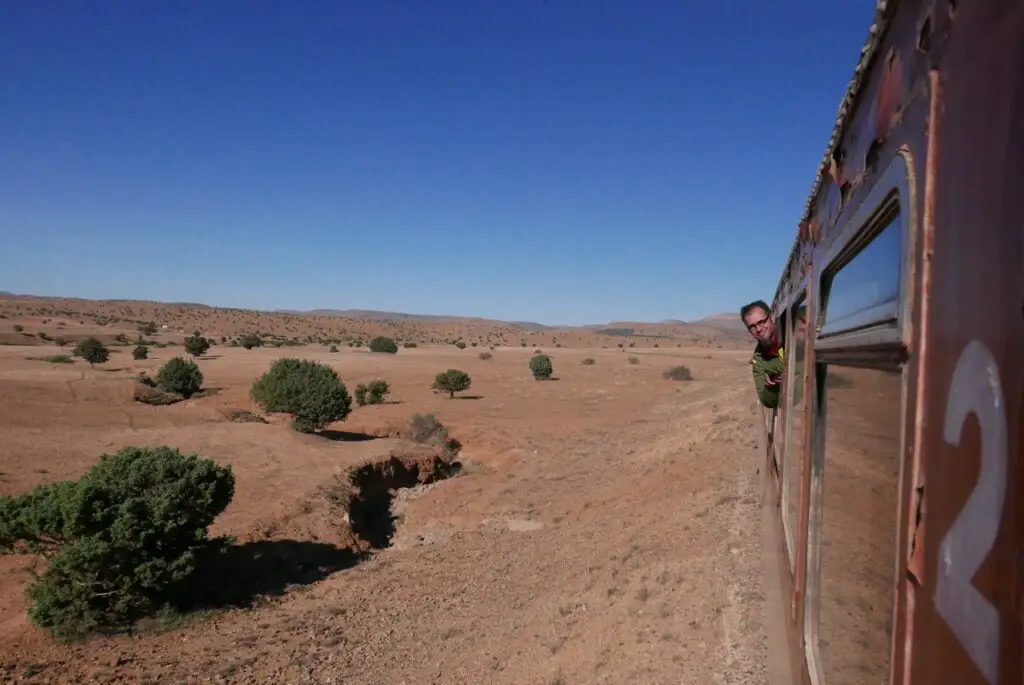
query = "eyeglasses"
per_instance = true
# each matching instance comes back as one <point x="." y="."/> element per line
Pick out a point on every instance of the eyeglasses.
<point x="757" y="324"/>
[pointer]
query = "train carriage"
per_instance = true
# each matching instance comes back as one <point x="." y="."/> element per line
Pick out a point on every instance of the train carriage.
<point x="893" y="475"/>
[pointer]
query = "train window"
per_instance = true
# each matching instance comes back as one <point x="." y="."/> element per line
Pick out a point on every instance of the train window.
<point x="866" y="290"/>
<point x="779" y="427"/>
<point x="793" y="462"/>
<point x="856" y="485"/>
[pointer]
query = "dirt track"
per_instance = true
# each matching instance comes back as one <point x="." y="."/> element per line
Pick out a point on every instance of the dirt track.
<point x="606" y="529"/>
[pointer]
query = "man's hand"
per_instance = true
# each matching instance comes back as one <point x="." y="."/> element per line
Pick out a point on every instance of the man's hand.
<point x="772" y="380"/>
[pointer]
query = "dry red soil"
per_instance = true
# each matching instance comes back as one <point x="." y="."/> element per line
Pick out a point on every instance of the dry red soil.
<point x="605" y="528"/>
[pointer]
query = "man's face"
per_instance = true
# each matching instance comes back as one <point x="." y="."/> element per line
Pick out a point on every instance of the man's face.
<point x="760" y="325"/>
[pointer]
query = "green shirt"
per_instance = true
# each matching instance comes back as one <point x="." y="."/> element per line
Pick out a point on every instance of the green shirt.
<point x="761" y="365"/>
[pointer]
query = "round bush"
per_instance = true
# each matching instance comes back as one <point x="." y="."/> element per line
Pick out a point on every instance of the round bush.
<point x="452" y="381"/>
<point x="180" y="376"/>
<point x="382" y="344"/>
<point x="249" y="341"/>
<point x="312" y="393"/>
<point x="541" y="367"/>
<point x="92" y="351"/>
<point x="140" y="352"/>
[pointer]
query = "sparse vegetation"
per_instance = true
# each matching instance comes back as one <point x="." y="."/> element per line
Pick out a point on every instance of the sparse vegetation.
<point x="332" y="348"/>
<point x="452" y="381"/>
<point x="140" y="352"/>
<point x="384" y="345"/>
<point x="243" y="416"/>
<point x="486" y="356"/>
<point x="92" y="351"/>
<point x="588" y="361"/>
<point x="678" y="373"/>
<point x="461" y="345"/>
<point x="18" y="328"/>
<point x="426" y="429"/>
<point x="311" y="392"/>
<point x="56" y="359"/>
<point x="633" y="360"/>
<point x="373" y="393"/>
<point x="120" y="542"/>
<point x="541" y="367"/>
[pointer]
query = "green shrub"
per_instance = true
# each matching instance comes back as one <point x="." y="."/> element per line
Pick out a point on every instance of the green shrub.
<point x="18" y="328"/>
<point x="92" y="351"/>
<point x="332" y="348"/>
<point x="382" y="344"/>
<point x="461" y="345"/>
<point x="249" y="341"/>
<point x="452" y="381"/>
<point x="196" y="345"/>
<point x="312" y="393"/>
<point x="120" y="541"/>
<point x="378" y="391"/>
<point x="360" y="394"/>
<point x="589" y="361"/>
<point x="408" y="344"/>
<point x="140" y="352"/>
<point x="678" y="373"/>
<point x="486" y="356"/>
<point x="633" y="360"/>
<point x="541" y="367"/>
<point x="180" y="376"/>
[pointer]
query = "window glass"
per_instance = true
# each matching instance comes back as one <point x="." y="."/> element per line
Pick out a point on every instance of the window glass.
<point x="795" y="435"/>
<point x="866" y="290"/>
<point x="779" y="428"/>
<point x="858" y="524"/>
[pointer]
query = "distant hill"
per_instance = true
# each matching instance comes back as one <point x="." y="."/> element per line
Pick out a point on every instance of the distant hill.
<point x="729" y="323"/>
<point x="669" y="328"/>
<point x="378" y="315"/>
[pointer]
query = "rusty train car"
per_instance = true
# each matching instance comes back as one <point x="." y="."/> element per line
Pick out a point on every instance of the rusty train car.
<point x="893" y="508"/>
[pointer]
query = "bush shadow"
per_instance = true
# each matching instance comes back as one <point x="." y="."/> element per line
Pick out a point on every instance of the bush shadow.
<point x="468" y="397"/>
<point x="238" y="575"/>
<point x="346" y="436"/>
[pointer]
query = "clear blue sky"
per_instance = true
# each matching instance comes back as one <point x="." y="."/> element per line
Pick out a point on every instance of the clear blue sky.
<point x="561" y="161"/>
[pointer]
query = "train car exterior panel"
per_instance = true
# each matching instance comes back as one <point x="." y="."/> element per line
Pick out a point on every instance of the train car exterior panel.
<point x="922" y="183"/>
<point x="968" y="609"/>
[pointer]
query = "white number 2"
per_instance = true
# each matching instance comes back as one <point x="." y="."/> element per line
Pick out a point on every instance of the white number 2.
<point x="975" y="389"/>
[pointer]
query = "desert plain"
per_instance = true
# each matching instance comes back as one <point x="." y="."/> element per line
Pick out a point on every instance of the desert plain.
<point x="604" y="526"/>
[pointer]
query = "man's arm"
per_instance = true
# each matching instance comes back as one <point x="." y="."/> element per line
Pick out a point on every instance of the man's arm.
<point x="767" y="394"/>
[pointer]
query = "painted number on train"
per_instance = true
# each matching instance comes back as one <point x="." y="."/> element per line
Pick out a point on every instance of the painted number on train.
<point x="975" y="389"/>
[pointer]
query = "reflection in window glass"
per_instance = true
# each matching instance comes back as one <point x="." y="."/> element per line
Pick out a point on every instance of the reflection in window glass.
<point x="779" y="429"/>
<point x="866" y="290"/>
<point x="795" y="437"/>
<point x="860" y="490"/>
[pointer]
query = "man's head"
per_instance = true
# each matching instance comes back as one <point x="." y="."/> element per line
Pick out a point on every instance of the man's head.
<point x="758" y="319"/>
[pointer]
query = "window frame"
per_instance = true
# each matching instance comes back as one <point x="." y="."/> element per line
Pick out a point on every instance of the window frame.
<point x="880" y="346"/>
<point x="889" y="198"/>
<point x="790" y="528"/>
